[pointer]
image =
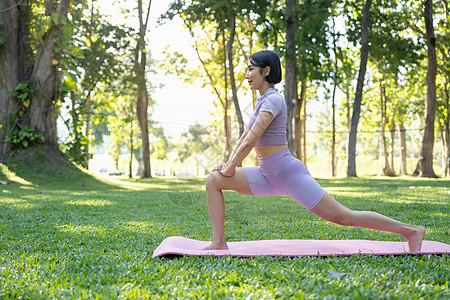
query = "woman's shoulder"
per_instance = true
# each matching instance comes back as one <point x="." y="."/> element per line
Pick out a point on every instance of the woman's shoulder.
<point x="275" y="98"/>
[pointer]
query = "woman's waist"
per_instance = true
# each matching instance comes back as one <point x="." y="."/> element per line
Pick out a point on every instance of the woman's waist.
<point x="267" y="150"/>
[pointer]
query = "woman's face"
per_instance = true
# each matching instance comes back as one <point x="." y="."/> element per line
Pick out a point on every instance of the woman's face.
<point x="255" y="76"/>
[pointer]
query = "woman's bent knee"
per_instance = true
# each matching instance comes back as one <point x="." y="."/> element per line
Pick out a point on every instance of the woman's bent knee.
<point x="212" y="179"/>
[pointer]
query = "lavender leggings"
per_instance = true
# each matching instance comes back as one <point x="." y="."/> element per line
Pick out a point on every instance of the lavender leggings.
<point x="283" y="174"/>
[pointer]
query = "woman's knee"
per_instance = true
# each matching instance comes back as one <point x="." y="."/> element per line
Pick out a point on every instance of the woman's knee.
<point x="212" y="180"/>
<point x="331" y="210"/>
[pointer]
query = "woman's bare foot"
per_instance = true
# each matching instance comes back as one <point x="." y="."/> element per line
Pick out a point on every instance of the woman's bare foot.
<point x="217" y="246"/>
<point x="415" y="239"/>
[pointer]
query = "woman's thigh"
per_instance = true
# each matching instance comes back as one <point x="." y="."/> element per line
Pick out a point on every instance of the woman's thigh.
<point x="238" y="182"/>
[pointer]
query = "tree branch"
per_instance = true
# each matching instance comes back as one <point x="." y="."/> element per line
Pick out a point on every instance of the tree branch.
<point x="415" y="28"/>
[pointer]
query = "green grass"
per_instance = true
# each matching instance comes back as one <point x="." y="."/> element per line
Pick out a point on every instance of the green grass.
<point x="66" y="234"/>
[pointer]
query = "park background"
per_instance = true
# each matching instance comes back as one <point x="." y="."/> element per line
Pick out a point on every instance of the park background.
<point x="89" y="85"/>
<point x="173" y="78"/>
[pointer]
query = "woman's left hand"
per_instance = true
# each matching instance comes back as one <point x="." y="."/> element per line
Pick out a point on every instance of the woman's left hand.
<point x="227" y="171"/>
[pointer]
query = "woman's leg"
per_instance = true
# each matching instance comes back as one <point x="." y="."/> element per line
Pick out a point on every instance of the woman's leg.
<point x="215" y="184"/>
<point x="331" y="210"/>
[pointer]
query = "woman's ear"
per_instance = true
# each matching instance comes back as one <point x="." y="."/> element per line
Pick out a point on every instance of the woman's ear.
<point x="267" y="71"/>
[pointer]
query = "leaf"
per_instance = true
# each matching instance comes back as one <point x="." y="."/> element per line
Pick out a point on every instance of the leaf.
<point x="23" y="96"/>
<point x="25" y="143"/>
<point x="22" y="87"/>
<point x="69" y="82"/>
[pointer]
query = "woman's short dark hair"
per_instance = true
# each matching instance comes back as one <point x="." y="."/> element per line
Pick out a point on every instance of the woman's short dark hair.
<point x="268" y="58"/>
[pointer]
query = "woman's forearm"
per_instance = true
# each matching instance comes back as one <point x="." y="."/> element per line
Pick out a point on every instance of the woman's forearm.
<point x="236" y="148"/>
<point x="241" y="152"/>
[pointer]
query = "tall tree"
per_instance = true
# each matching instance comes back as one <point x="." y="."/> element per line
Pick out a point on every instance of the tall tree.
<point x="364" y="54"/>
<point x="290" y="60"/>
<point x="29" y="69"/>
<point x="217" y="28"/>
<point x="232" y="28"/>
<point x="443" y="33"/>
<point x="424" y="166"/>
<point x="142" y="93"/>
<point x="335" y="37"/>
<point x="386" y="166"/>
<point x="93" y="60"/>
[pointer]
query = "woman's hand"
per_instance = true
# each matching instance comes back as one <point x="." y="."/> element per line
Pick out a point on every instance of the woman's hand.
<point x="221" y="166"/>
<point x="227" y="171"/>
<point x="224" y="170"/>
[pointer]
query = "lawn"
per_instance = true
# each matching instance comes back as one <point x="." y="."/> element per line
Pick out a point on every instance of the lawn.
<point x="67" y="234"/>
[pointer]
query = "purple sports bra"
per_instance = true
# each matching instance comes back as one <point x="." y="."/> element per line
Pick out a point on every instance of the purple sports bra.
<point x="275" y="133"/>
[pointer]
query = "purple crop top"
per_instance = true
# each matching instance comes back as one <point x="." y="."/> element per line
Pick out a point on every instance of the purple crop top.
<point x="275" y="133"/>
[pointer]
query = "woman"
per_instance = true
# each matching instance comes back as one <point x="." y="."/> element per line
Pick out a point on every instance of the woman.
<point x="279" y="172"/>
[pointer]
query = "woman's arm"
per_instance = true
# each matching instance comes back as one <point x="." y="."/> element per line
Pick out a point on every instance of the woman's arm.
<point x="247" y="142"/>
<point x="233" y="153"/>
<point x="238" y="145"/>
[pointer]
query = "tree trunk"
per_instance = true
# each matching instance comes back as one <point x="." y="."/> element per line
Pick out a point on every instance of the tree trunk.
<point x="446" y="118"/>
<point x="447" y="134"/>
<point x="232" y="16"/>
<point x="40" y="71"/>
<point x="130" y="166"/>
<point x="333" y="105"/>
<point x="403" y="166"/>
<point x="88" y="127"/>
<point x="303" y="133"/>
<point x="226" y="103"/>
<point x="351" y="167"/>
<point x="385" y="156"/>
<point x="14" y="62"/>
<point x="290" y="78"/>
<point x="443" y="129"/>
<point x="298" y="122"/>
<point x="392" y="152"/>
<point x="424" y="166"/>
<point x="142" y="98"/>
<point x="43" y="113"/>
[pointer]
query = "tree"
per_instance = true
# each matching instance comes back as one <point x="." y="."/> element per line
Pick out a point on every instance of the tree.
<point x="196" y="140"/>
<point x="29" y="77"/>
<point x="386" y="166"/>
<point x="93" y="60"/>
<point x="364" y="53"/>
<point x="142" y="92"/>
<point x="290" y="59"/>
<point x="335" y="38"/>
<point x="219" y="31"/>
<point x="424" y="166"/>
<point x="232" y="27"/>
<point x="222" y="14"/>
<point x="443" y="82"/>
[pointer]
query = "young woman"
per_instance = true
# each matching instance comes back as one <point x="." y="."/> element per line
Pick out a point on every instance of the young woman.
<point x="279" y="172"/>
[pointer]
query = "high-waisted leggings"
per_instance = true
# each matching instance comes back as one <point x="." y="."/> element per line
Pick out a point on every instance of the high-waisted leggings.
<point x="283" y="174"/>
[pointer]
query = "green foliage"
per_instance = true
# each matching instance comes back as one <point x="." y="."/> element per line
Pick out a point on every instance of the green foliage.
<point x="95" y="61"/>
<point x="25" y="136"/>
<point x="83" y="237"/>
<point x="74" y="148"/>
<point x="196" y="140"/>
<point x="20" y="135"/>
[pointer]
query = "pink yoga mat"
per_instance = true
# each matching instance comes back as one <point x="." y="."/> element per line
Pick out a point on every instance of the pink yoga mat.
<point x="176" y="245"/>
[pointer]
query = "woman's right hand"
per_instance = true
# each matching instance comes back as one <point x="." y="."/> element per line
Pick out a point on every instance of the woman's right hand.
<point x="219" y="167"/>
